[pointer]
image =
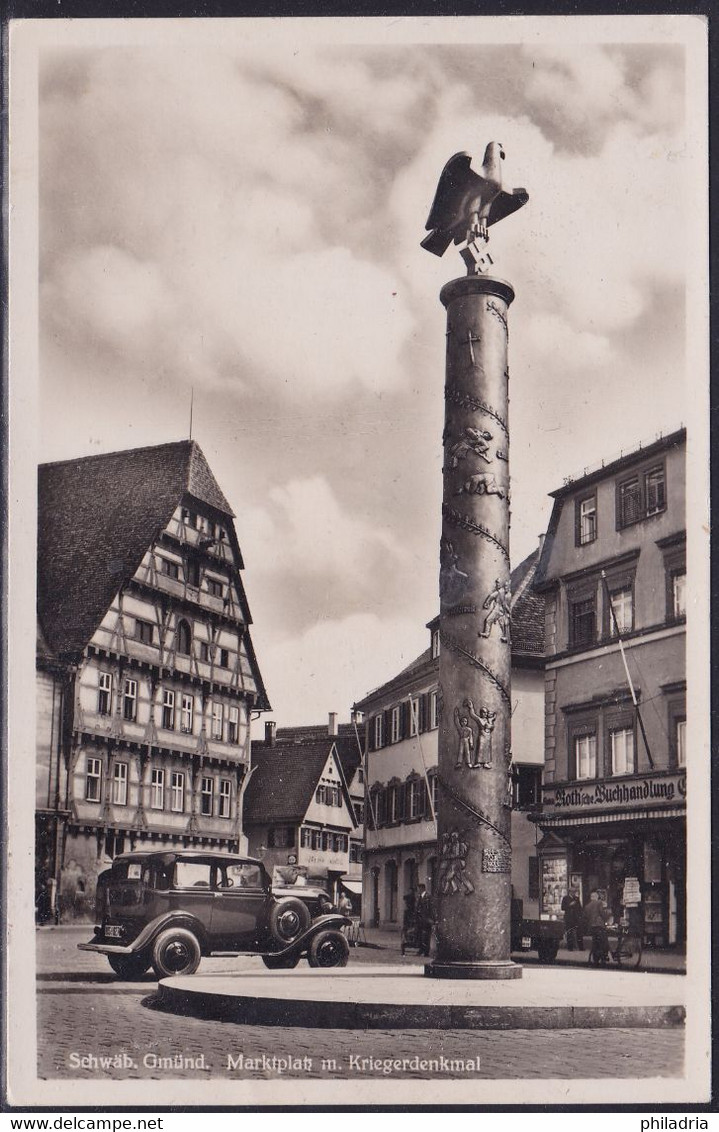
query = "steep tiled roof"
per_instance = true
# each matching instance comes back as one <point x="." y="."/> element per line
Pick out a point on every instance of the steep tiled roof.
<point x="283" y="781"/>
<point x="96" y="518"/>
<point x="348" y="749"/>
<point x="527" y="629"/>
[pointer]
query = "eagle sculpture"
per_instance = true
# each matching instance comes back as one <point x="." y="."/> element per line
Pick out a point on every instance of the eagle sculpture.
<point x="466" y="203"/>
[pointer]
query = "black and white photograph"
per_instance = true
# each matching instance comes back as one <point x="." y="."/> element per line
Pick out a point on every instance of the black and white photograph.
<point x="358" y="562"/>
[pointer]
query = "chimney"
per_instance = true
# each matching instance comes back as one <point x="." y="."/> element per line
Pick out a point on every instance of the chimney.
<point x="541" y="542"/>
<point x="332" y="725"/>
<point x="270" y="728"/>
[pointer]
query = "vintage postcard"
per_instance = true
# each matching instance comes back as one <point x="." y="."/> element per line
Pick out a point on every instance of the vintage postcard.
<point x="324" y="787"/>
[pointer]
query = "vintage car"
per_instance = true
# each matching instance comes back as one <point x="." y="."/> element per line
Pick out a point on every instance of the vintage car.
<point x="317" y="899"/>
<point x="167" y="909"/>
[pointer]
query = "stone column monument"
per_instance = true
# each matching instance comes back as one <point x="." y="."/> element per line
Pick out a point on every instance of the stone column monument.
<point x="474" y="803"/>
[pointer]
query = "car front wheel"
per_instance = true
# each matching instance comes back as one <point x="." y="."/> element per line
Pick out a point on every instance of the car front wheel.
<point x="129" y="966"/>
<point x="176" y="952"/>
<point x="288" y="920"/>
<point x="328" y="949"/>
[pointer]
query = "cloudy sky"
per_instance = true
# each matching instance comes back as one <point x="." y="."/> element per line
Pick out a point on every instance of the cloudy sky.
<point x="240" y="214"/>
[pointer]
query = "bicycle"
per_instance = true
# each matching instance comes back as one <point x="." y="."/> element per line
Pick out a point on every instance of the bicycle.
<point x="628" y="949"/>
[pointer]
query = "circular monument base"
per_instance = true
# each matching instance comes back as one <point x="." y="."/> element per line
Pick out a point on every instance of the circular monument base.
<point x="502" y="969"/>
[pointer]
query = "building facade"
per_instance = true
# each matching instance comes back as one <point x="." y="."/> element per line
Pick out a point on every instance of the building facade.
<point x="303" y="806"/>
<point x="613" y="575"/>
<point x="401" y="766"/>
<point x="146" y="671"/>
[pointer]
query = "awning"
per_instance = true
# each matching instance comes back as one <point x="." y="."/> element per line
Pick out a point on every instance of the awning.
<point x="556" y="821"/>
<point x="354" y="886"/>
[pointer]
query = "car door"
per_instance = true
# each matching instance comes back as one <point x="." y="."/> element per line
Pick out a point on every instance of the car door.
<point x="193" y="889"/>
<point x="239" y="905"/>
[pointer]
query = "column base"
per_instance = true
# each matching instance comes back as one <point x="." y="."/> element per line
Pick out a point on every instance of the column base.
<point x="487" y="969"/>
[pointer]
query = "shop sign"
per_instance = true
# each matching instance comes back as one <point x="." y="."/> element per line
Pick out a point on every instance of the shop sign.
<point x="632" y="792"/>
<point x="632" y="893"/>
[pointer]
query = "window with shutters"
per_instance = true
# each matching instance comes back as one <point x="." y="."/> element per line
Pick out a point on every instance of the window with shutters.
<point x="433" y="710"/>
<point x="378" y="731"/>
<point x="414" y="716"/>
<point x="641" y="495"/>
<point x="395" y="724"/>
<point x="583" y="621"/>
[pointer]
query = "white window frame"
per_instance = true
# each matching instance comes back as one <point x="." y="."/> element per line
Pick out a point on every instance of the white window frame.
<point x="217" y="727"/>
<point x="433" y="709"/>
<point x="119" y="783"/>
<point x="378" y="729"/>
<point x="93" y="779"/>
<point x="225" y="799"/>
<point x="659" y="476"/>
<point x="622" y="603"/>
<point x="585" y="756"/>
<point x="394" y="725"/>
<point x="187" y="713"/>
<point x="621" y="743"/>
<point x="207" y="791"/>
<point x="680" y="733"/>
<point x="104" y="689"/>
<point x="587" y="519"/>
<point x="177" y="791"/>
<point x="415" y="797"/>
<point x="157" y="788"/>
<point x="233" y="724"/>
<point x="129" y="697"/>
<point x="168" y="708"/>
<point x="413" y="717"/>
<point x="435" y="642"/>
<point x="679" y="593"/>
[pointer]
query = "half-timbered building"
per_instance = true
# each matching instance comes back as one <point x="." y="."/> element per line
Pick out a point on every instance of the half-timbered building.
<point x="146" y="671"/>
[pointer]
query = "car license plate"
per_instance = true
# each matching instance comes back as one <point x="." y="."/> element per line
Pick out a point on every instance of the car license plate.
<point x="113" y="931"/>
<point x="526" y="943"/>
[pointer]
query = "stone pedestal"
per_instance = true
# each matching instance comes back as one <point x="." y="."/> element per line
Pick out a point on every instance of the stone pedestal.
<point x="473" y="894"/>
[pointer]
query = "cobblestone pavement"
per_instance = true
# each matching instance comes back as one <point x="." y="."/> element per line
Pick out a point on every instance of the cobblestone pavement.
<point x="78" y="995"/>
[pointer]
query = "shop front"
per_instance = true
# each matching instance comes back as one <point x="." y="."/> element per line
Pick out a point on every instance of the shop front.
<point x="624" y="838"/>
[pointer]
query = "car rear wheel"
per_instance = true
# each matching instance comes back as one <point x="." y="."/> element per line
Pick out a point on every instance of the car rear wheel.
<point x="288" y="920"/>
<point x="176" y="952"/>
<point x="328" y="949"/>
<point x="129" y="966"/>
<point x="280" y="962"/>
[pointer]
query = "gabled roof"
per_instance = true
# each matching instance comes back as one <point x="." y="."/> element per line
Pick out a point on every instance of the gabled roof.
<point x="284" y="779"/>
<point x="97" y="515"/>
<point x="349" y="751"/>
<point x="527" y="630"/>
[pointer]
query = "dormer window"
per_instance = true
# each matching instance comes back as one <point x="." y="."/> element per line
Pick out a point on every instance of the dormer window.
<point x="435" y="643"/>
<point x="640" y="496"/>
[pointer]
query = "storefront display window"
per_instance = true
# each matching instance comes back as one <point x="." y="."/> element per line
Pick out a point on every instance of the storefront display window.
<point x="554" y="886"/>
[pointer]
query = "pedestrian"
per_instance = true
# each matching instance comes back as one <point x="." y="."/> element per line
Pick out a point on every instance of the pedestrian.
<point x="573" y="920"/>
<point x="344" y="906"/>
<point x="408" y="937"/>
<point x="595" y="919"/>
<point x="424" y="917"/>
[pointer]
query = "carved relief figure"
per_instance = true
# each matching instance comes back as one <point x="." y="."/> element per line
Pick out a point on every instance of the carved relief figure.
<point x="452" y="580"/>
<point x="483" y="483"/>
<point x="486" y="722"/>
<point x="465" y="750"/>
<point x="498" y="610"/>
<point x="474" y="440"/>
<point x="453" y="876"/>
